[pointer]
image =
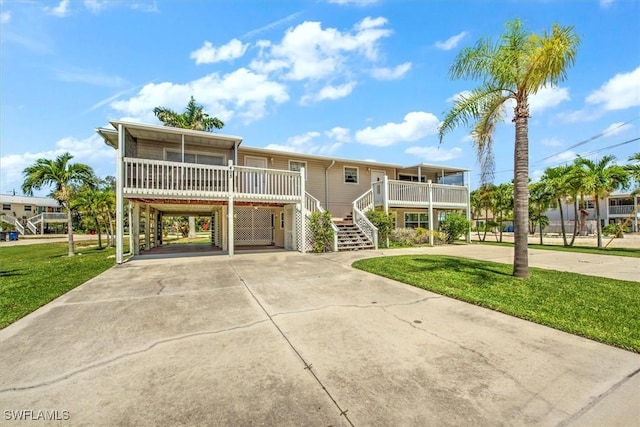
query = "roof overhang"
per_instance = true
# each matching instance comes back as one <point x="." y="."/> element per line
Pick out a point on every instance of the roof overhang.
<point x="427" y="166"/>
<point x="167" y="134"/>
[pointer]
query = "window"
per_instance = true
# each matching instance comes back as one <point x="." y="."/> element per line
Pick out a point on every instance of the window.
<point x="6" y="207"/>
<point x="199" y="158"/>
<point x="456" y="178"/>
<point x="297" y="165"/>
<point x="415" y="220"/>
<point x="411" y="178"/>
<point x="27" y="208"/>
<point x="282" y="220"/>
<point x="590" y="204"/>
<point x="350" y="175"/>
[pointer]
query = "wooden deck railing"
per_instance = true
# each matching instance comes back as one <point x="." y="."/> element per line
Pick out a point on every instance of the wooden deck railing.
<point x="416" y="194"/>
<point x="361" y="205"/>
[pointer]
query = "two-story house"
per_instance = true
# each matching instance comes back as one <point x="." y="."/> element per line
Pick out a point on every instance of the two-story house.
<point x="32" y="215"/>
<point x="255" y="196"/>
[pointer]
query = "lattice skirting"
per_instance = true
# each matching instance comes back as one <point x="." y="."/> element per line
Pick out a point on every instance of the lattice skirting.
<point x="253" y="226"/>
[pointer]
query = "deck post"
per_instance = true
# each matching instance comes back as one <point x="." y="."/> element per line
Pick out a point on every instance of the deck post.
<point x="385" y="198"/>
<point x="130" y="213"/>
<point x="230" y="234"/>
<point x="469" y="212"/>
<point x="134" y="232"/>
<point x="430" y="200"/>
<point x="119" y="201"/>
<point x="147" y="227"/>
<point x="303" y="209"/>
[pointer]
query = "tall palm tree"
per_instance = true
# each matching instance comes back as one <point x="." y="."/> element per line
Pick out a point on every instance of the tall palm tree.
<point x="634" y="171"/>
<point x="481" y="199"/>
<point x="557" y="180"/>
<point x="515" y="68"/>
<point x="61" y="175"/>
<point x="193" y="117"/>
<point x="601" y="178"/>
<point x="540" y="198"/>
<point x="502" y="204"/>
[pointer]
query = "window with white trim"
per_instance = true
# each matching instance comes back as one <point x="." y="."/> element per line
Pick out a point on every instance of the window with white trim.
<point x="350" y="175"/>
<point x="27" y="208"/>
<point x="411" y="178"/>
<point x="297" y="165"/>
<point x="416" y="219"/>
<point x="6" y="207"/>
<point x="194" y="157"/>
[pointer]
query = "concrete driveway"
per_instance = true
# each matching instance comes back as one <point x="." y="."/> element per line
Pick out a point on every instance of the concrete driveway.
<point x="290" y="339"/>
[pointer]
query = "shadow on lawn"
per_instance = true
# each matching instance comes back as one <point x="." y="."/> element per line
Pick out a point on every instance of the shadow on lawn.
<point x="11" y="273"/>
<point x="479" y="273"/>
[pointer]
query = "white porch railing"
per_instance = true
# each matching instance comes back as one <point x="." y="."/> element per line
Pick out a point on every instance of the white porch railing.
<point x="416" y="194"/>
<point x="361" y="205"/>
<point x="162" y="178"/>
<point x="259" y="183"/>
<point x="621" y="210"/>
<point x="313" y="205"/>
<point x="13" y="221"/>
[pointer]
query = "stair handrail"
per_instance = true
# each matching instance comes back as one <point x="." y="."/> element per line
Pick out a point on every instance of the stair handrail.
<point x="36" y="218"/>
<point x="361" y="205"/>
<point x="13" y="221"/>
<point x="314" y="205"/>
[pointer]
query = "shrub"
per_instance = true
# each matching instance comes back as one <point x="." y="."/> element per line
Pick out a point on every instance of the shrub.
<point x="415" y="236"/>
<point x="384" y="223"/>
<point x="454" y="225"/>
<point x="321" y="231"/>
<point x="612" y="229"/>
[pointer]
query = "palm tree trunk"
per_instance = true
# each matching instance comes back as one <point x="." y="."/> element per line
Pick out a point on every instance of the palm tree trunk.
<point x="521" y="191"/>
<point x="99" y="234"/>
<point x="598" y="226"/>
<point x="575" y="222"/>
<point x="541" y="242"/>
<point x="564" y="233"/>
<point x="501" y="226"/>
<point x="70" y="231"/>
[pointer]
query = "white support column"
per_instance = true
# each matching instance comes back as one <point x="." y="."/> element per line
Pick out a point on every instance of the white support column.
<point x="469" y="212"/>
<point x="385" y="196"/>
<point x="223" y="228"/>
<point x="303" y="208"/>
<point x="635" y="199"/>
<point x="147" y="227"/>
<point x="230" y="233"/>
<point x="119" y="196"/>
<point x="134" y="231"/>
<point x="430" y="198"/>
<point x="130" y="211"/>
<point x="419" y="173"/>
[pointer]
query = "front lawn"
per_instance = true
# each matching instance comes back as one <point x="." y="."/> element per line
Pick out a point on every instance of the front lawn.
<point x="601" y="309"/>
<point x="33" y="275"/>
<point x="628" y="252"/>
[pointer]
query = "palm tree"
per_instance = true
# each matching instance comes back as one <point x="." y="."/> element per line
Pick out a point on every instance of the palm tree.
<point x="557" y="180"/>
<point x="634" y="171"/>
<point x="193" y="118"/>
<point x="514" y="68"/>
<point x="601" y="178"/>
<point x="61" y="175"/>
<point x="502" y="204"/>
<point x="540" y="198"/>
<point x="481" y="199"/>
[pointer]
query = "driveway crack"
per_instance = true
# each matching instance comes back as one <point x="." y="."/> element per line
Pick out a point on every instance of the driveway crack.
<point x="127" y="355"/>
<point x="308" y="366"/>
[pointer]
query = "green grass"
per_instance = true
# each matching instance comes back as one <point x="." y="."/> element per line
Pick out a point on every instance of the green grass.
<point x="628" y="252"/>
<point x="604" y="310"/>
<point x="33" y="275"/>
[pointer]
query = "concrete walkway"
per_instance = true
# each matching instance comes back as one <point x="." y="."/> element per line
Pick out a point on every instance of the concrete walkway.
<point x="290" y="339"/>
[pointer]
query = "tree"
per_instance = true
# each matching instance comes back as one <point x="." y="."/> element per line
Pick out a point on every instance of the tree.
<point x="503" y="204"/>
<point x="540" y="198"/>
<point x="482" y="200"/>
<point x="454" y="225"/>
<point x="633" y="169"/>
<point x="192" y="118"/>
<point x="513" y="69"/>
<point x="556" y="179"/>
<point x="96" y="204"/>
<point x="61" y="175"/>
<point x="601" y="178"/>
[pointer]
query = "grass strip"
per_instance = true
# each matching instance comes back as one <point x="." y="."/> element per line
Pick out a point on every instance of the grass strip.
<point x="33" y="275"/>
<point x="626" y="252"/>
<point x="601" y="309"/>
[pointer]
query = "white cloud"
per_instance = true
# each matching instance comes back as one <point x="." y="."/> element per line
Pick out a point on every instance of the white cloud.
<point x="536" y="175"/>
<point x="564" y="157"/>
<point x="61" y="10"/>
<point x="548" y="97"/>
<point x="241" y="93"/>
<point x="91" y="151"/>
<point x="416" y="125"/>
<point x="605" y="3"/>
<point x="620" y="92"/>
<point x="96" y="6"/>
<point x="391" y="73"/>
<point x="339" y="134"/>
<point x="451" y="42"/>
<point x="551" y="142"/>
<point x="308" y="51"/>
<point x="78" y="75"/>
<point x="5" y="17"/>
<point x="617" y="128"/>
<point x="454" y="98"/>
<point x="354" y="2"/>
<point x="305" y="143"/>
<point x="330" y="92"/>
<point x="209" y="54"/>
<point x="434" y="154"/>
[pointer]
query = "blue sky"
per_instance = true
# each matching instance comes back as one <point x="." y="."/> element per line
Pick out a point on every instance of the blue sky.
<point x="360" y="79"/>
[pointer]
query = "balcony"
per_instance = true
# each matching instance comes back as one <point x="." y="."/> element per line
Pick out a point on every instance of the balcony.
<point x="420" y="195"/>
<point x="621" y="210"/>
<point x="157" y="178"/>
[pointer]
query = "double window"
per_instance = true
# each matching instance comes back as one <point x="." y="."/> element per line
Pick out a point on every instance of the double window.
<point x="195" y="157"/>
<point x="416" y="219"/>
<point x="6" y="207"/>
<point x="297" y="165"/>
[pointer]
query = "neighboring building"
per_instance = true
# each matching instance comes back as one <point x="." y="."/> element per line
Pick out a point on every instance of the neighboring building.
<point x="618" y="208"/>
<point x="31" y="215"/>
<point x="257" y="196"/>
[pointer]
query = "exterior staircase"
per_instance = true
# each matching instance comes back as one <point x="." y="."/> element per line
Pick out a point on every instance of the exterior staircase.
<point x="350" y="238"/>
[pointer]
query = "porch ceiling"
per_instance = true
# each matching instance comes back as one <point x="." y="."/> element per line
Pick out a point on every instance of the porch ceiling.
<point x="195" y="207"/>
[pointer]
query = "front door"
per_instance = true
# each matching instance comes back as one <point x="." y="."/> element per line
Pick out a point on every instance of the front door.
<point x="377" y="175"/>
<point x="255" y="180"/>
